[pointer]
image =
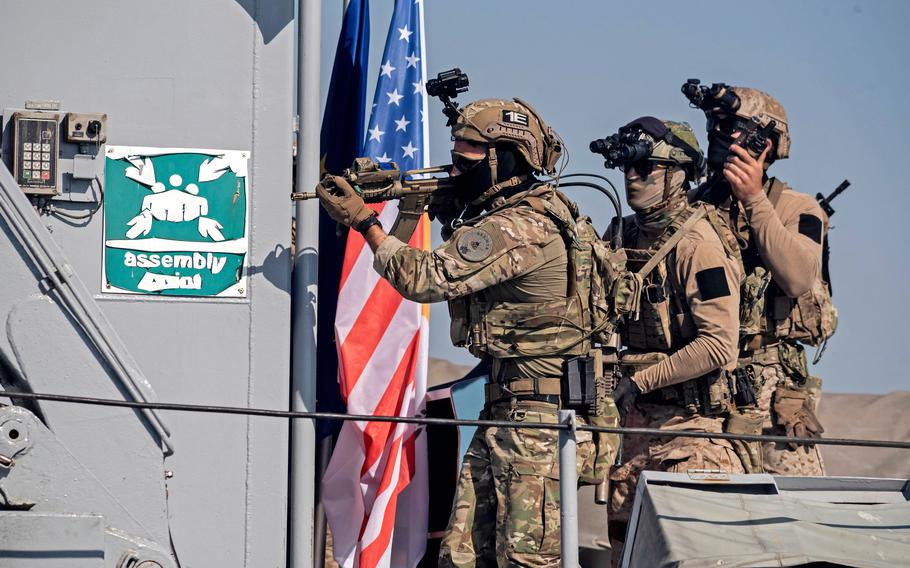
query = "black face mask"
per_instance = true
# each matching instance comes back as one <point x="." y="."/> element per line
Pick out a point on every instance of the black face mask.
<point x="718" y="149"/>
<point x="471" y="184"/>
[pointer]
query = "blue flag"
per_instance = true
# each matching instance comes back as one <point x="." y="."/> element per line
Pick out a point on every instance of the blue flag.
<point x="340" y="142"/>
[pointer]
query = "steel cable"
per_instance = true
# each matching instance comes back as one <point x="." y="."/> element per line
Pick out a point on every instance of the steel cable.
<point x="453" y="421"/>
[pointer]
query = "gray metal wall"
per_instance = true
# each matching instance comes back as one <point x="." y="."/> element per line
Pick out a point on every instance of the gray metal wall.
<point x="193" y="74"/>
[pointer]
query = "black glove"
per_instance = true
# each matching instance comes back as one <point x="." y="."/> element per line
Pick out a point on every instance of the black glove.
<point x="624" y="395"/>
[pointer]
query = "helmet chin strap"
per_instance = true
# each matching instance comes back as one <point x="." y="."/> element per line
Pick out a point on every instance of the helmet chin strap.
<point x="493" y="160"/>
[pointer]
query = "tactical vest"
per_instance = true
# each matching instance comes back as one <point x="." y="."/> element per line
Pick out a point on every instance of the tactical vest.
<point x="561" y="326"/>
<point x="664" y="321"/>
<point x="766" y="313"/>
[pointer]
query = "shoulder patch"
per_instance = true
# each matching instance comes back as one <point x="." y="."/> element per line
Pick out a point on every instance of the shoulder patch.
<point x="712" y="283"/>
<point x="475" y="245"/>
<point x="811" y="226"/>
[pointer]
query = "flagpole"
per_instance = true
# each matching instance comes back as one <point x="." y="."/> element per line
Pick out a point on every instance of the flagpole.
<point x="303" y="370"/>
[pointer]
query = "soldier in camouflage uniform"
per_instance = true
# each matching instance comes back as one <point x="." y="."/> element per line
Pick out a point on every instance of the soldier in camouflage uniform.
<point x="517" y="270"/>
<point x="682" y="340"/>
<point x="785" y="300"/>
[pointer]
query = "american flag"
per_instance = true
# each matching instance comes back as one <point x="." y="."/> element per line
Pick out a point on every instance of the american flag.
<point x="375" y="487"/>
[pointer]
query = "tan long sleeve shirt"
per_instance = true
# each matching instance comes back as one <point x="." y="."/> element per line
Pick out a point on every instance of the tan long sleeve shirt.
<point x="788" y="238"/>
<point x="709" y="281"/>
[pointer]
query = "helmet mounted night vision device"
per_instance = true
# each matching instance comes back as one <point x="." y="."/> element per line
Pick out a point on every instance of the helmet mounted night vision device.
<point x="649" y="138"/>
<point x="446" y="86"/>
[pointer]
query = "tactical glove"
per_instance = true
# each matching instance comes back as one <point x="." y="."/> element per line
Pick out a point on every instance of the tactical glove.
<point x="795" y="413"/>
<point x="624" y="395"/>
<point x="342" y="202"/>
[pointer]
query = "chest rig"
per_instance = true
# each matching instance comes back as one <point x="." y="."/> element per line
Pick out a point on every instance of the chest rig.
<point x="664" y="322"/>
<point x="565" y="325"/>
<point x="767" y="315"/>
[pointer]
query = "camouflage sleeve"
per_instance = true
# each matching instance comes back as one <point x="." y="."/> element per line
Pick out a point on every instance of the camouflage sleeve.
<point x="499" y="248"/>
<point x="789" y="239"/>
<point x="711" y="282"/>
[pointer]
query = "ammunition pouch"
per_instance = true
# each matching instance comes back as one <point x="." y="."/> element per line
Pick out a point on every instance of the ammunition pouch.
<point x="752" y="302"/>
<point x="793" y="360"/>
<point x="654" y="303"/>
<point x="662" y="319"/>
<point x="766" y="311"/>
<point x="544" y="389"/>
<point x="811" y="318"/>
<point x="750" y="453"/>
<point x="458" y="321"/>
<point x="790" y="356"/>
<point x="588" y="384"/>
<point x="526" y="329"/>
<point x="627" y="294"/>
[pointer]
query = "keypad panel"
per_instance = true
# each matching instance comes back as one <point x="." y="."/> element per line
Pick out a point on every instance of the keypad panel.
<point x="37" y="140"/>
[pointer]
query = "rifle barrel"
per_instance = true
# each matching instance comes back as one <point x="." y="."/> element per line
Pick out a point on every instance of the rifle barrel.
<point x="838" y="190"/>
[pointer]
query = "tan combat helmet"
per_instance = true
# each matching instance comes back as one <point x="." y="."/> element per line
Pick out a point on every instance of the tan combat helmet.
<point x="514" y="122"/>
<point x="755" y="103"/>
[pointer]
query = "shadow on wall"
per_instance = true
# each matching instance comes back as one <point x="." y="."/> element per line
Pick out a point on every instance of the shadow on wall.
<point x="271" y="16"/>
<point x="276" y="267"/>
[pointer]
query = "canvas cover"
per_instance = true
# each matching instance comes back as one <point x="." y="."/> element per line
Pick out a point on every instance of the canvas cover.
<point x="750" y="521"/>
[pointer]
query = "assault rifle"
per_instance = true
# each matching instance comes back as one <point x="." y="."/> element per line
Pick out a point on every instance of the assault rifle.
<point x="825" y="203"/>
<point x="377" y="182"/>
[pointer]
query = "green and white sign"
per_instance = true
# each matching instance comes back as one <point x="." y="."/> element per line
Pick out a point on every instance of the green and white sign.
<point x="176" y="222"/>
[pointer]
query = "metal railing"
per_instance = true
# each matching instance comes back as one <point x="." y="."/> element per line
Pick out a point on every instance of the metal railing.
<point x="567" y="427"/>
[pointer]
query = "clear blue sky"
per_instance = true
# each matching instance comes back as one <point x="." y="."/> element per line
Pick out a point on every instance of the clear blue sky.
<point x="841" y="70"/>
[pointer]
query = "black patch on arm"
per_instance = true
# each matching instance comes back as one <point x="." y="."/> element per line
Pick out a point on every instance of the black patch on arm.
<point x="811" y="226"/>
<point x="712" y="283"/>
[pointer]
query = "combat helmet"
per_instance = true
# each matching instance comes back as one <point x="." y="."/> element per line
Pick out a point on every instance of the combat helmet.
<point x="755" y="103"/>
<point x="745" y="103"/>
<point x="668" y="149"/>
<point x="512" y="122"/>
<point x="671" y="142"/>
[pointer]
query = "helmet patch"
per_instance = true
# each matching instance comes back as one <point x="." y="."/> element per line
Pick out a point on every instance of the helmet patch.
<point x="515" y="117"/>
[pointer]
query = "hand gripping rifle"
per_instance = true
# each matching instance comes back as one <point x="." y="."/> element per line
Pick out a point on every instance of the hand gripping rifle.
<point x="377" y="182"/>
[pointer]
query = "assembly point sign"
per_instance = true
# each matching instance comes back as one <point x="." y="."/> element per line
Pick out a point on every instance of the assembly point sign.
<point x="176" y="222"/>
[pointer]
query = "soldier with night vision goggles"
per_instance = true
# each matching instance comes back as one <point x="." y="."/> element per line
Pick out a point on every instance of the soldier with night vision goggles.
<point x="682" y="298"/>
<point x="526" y="278"/>
<point x="785" y="300"/>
